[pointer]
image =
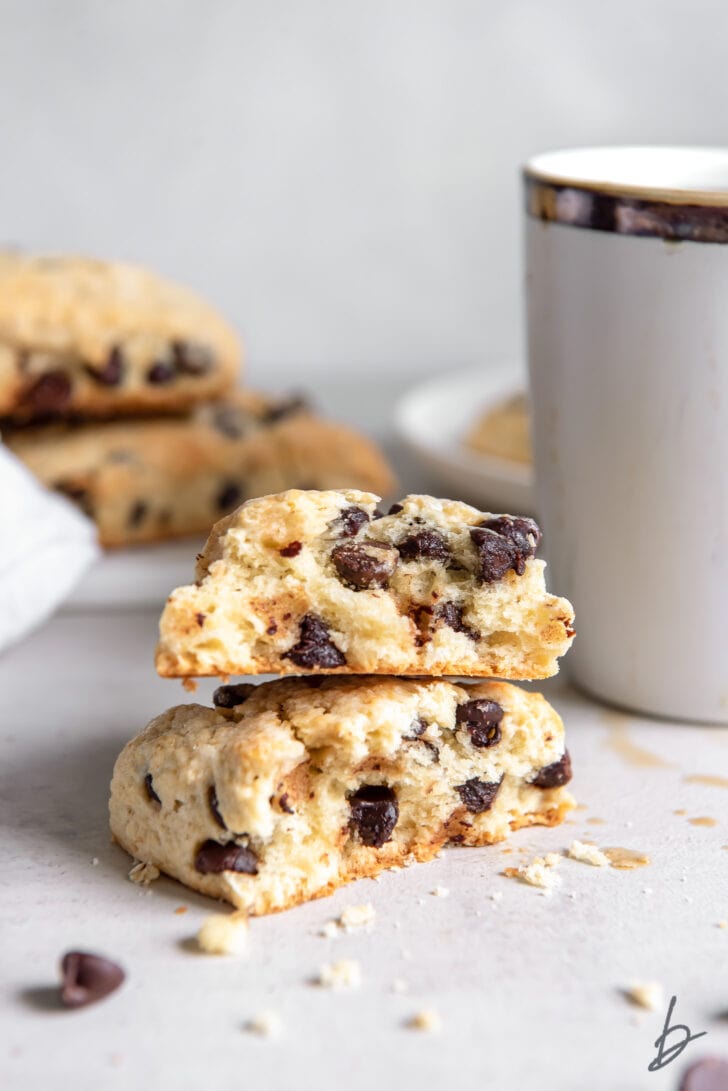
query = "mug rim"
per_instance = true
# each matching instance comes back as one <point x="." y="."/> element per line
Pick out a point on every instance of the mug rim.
<point x="550" y="169"/>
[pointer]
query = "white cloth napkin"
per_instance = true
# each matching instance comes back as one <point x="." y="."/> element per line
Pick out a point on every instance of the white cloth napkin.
<point x="45" y="546"/>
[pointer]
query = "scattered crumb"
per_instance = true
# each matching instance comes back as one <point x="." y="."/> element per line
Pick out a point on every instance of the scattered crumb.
<point x="420" y="901"/>
<point x="496" y="896"/>
<point x="143" y="874"/>
<point x="646" y="994"/>
<point x="266" y="1024"/>
<point x="94" y="861"/>
<point x="573" y="895"/>
<point x="399" y="985"/>
<point x="181" y="909"/>
<point x="345" y="974"/>
<point x="626" y="859"/>
<point x="440" y="892"/>
<point x="587" y="854"/>
<point x="427" y="1020"/>
<point x="224" y="934"/>
<point x="647" y="890"/>
<point x="189" y="684"/>
<point x="540" y="872"/>
<point x="330" y="930"/>
<point x="722" y="924"/>
<point x="357" y="916"/>
<point x="683" y="878"/>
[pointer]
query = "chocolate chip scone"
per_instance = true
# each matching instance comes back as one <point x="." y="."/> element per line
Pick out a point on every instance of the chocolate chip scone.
<point x="287" y="790"/>
<point x="145" y="481"/>
<point x="87" y="338"/>
<point x="324" y="582"/>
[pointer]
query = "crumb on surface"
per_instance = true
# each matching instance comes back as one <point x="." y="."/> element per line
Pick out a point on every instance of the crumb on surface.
<point x="266" y="1024"/>
<point x="427" y="1020"/>
<point x="224" y="934"/>
<point x="189" y="684"/>
<point x="646" y="994"/>
<point x="440" y="892"/>
<point x="399" y="985"/>
<point x="144" y="874"/>
<point x="344" y="974"/>
<point x="330" y="930"/>
<point x="181" y="909"/>
<point x="587" y="854"/>
<point x="357" y="916"/>
<point x="496" y="896"/>
<point x="540" y="872"/>
<point x="94" y="861"/>
<point x="722" y="924"/>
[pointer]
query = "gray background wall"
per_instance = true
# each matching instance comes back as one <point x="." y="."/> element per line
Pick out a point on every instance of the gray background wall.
<point x="340" y="177"/>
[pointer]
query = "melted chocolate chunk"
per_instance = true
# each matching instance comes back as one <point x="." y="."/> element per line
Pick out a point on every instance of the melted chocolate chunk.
<point x="230" y="421"/>
<point x="504" y="543"/>
<point x="478" y="795"/>
<point x="374" y="814"/>
<point x="315" y="648"/>
<point x="230" y="696"/>
<point x="291" y="550"/>
<point x="149" y="786"/>
<point x="229" y="495"/>
<point x="452" y="615"/>
<point x="110" y="374"/>
<point x="215" y="806"/>
<point x="364" y="565"/>
<point x="395" y="509"/>
<point x="192" y="358"/>
<point x="78" y="494"/>
<point x="137" y="514"/>
<point x="160" y="373"/>
<point x="49" y="393"/>
<point x="285" y="408"/>
<point x="200" y="619"/>
<point x="351" y="521"/>
<point x="481" y="719"/>
<point x="87" y="978"/>
<point x="556" y="774"/>
<point x="213" y="858"/>
<point x="424" y="543"/>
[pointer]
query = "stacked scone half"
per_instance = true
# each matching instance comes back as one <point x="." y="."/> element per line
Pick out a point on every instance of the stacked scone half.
<point x="368" y="757"/>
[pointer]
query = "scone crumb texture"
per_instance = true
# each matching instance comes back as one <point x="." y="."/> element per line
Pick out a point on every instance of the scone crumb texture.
<point x="224" y="934"/>
<point x="427" y="1020"/>
<point x="587" y="854"/>
<point x="646" y="994"/>
<point x="344" y="974"/>
<point x="357" y="916"/>
<point x="143" y="874"/>
<point x="540" y="872"/>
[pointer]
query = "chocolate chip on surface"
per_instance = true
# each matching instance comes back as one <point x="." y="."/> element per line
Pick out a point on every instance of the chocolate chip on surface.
<point x="229" y="495"/>
<point x="481" y="718"/>
<point x="478" y="795"/>
<point x="374" y="814"/>
<point x="137" y="514"/>
<point x="284" y="408"/>
<point x="213" y="858"/>
<point x="111" y="371"/>
<point x="556" y="774"/>
<point x="364" y="565"/>
<point x="291" y="550"/>
<point x="86" y="978"/>
<point x="149" y="786"/>
<point x="424" y="543"/>
<point x="230" y="696"/>
<point x="215" y="806"/>
<point x="450" y="614"/>
<point x="315" y="647"/>
<point x="160" y="373"/>
<point x="351" y="521"/>
<point x="504" y="543"/>
<point x="192" y="358"/>
<point x="49" y="393"/>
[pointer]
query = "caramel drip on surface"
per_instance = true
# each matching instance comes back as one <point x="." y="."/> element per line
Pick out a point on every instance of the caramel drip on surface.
<point x="706" y="778"/>
<point x="681" y="811"/>
<point x="620" y="742"/>
<point x="626" y="859"/>
<point x="703" y="820"/>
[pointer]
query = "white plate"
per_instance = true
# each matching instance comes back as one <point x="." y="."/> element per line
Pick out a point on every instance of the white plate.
<point x="432" y="420"/>
<point x="136" y="577"/>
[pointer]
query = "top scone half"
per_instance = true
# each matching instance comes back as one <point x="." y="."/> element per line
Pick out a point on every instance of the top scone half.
<point x="323" y="582"/>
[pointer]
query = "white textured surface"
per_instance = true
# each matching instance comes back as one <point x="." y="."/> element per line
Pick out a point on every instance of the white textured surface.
<point x="528" y="987"/>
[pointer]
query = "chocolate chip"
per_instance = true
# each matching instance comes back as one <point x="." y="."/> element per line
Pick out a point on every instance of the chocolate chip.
<point x="87" y="978"/>
<point x="425" y="543"/>
<point x="478" y="795"/>
<point x="291" y="550"/>
<point x="213" y="858"/>
<point x="192" y="358"/>
<point x="419" y="726"/>
<point x="272" y="629"/>
<point x="215" y="806"/>
<point x="49" y="393"/>
<point x="230" y="494"/>
<point x="112" y="370"/>
<point x="284" y="408"/>
<point x="452" y="615"/>
<point x="285" y="805"/>
<point x="137" y="514"/>
<point x="160" y="372"/>
<point x="504" y="543"/>
<point x="556" y="774"/>
<point x="710" y="1074"/>
<point x="374" y="814"/>
<point x="149" y="785"/>
<point x="351" y="521"/>
<point x="364" y="565"/>
<point x="481" y="718"/>
<point x="230" y="421"/>
<point x="315" y="648"/>
<point x="78" y="494"/>
<point x="230" y="696"/>
<point x="395" y="509"/>
<point x="200" y="619"/>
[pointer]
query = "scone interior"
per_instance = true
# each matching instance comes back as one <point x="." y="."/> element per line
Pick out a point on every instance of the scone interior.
<point x="308" y="581"/>
<point x="301" y="785"/>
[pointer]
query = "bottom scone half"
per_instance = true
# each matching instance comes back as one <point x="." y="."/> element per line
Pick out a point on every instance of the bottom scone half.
<point x="286" y="790"/>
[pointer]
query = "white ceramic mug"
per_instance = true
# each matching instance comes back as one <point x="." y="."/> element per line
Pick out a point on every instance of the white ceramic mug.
<point x="627" y="284"/>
